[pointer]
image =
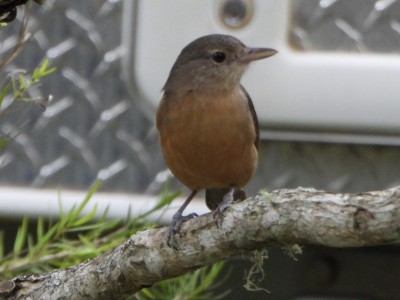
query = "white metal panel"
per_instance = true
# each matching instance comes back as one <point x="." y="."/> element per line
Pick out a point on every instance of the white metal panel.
<point x="354" y="93"/>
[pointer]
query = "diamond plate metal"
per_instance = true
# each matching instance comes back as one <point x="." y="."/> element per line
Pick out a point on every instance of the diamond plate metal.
<point x="92" y="128"/>
<point x="95" y="129"/>
<point x="346" y="25"/>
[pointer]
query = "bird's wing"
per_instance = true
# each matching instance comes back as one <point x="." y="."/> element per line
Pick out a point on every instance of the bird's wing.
<point x="254" y="116"/>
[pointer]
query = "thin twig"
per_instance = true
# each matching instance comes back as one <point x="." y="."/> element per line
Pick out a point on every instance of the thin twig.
<point x="24" y="37"/>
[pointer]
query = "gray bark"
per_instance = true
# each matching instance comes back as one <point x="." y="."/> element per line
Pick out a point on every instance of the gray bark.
<point x="283" y="217"/>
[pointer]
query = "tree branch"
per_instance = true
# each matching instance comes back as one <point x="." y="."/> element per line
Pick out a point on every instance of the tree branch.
<point x="283" y="217"/>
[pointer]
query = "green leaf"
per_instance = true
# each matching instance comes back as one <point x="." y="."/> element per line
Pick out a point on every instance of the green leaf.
<point x="85" y="241"/>
<point x="39" y="228"/>
<point x="87" y="218"/>
<point x="20" y="239"/>
<point x="4" y="92"/>
<point x="88" y="227"/>
<point x="22" y="82"/>
<point x="31" y="245"/>
<point x="65" y="220"/>
<point x="4" y="143"/>
<point x="76" y="212"/>
<point x="45" y="238"/>
<point x="42" y="71"/>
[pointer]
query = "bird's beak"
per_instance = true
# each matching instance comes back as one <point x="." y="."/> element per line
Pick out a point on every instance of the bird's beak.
<point x="252" y="54"/>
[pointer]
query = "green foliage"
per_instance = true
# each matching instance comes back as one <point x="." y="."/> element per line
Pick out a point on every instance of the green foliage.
<point x="15" y="89"/>
<point x="69" y="240"/>
<point x="43" y="244"/>
<point x="21" y="82"/>
<point x="76" y="237"/>
<point x="42" y="71"/>
<point x="196" y="285"/>
<point x="53" y="245"/>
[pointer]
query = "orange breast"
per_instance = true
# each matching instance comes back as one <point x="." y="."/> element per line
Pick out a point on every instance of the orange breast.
<point x="208" y="140"/>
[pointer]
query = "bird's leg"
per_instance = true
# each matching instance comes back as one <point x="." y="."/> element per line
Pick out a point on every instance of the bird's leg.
<point x="177" y="220"/>
<point x="227" y="200"/>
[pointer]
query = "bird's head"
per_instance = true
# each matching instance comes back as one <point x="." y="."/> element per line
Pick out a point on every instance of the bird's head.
<point x="212" y="63"/>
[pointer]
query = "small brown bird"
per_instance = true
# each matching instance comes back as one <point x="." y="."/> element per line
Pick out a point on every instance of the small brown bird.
<point x="207" y="123"/>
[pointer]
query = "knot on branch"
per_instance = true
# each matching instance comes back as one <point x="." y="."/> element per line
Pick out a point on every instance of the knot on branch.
<point x="361" y="219"/>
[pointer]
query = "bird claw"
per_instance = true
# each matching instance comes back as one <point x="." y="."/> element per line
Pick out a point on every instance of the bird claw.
<point x="171" y="241"/>
<point x="219" y="211"/>
<point x="219" y="214"/>
<point x="174" y="227"/>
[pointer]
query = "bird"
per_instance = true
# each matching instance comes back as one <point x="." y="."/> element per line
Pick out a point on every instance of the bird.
<point x="207" y="124"/>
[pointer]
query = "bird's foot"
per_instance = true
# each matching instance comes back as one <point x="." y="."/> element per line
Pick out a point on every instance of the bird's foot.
<point x="174" y="227"/>
<point x="226" y="202"/>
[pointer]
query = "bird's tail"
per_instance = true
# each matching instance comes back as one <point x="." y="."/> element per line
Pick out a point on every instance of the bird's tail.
<point x="215" y="196"/>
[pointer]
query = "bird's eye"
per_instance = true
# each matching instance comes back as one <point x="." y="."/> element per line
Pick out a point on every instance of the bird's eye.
<point x="218" y="57"/>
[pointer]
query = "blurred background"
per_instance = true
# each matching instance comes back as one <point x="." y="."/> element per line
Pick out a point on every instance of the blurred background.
<point x="100" y="123"/>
